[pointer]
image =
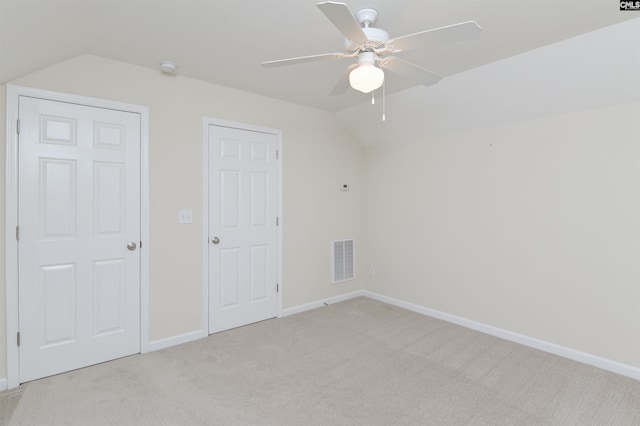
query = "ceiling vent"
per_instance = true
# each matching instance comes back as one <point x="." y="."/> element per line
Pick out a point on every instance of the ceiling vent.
<point x="343" y="260"/>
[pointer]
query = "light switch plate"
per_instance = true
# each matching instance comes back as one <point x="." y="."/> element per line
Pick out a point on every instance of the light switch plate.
<point x="185" y="216"/>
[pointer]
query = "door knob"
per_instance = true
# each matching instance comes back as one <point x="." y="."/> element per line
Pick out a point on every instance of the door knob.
<point x="215" y="240"/>
<point x="131" y="246"/>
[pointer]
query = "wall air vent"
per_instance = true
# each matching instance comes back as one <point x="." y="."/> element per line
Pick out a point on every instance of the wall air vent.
<point x="343" y="260"/>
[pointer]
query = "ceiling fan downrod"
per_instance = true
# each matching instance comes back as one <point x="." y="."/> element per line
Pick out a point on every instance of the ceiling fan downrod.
<point x="366" y="16"/>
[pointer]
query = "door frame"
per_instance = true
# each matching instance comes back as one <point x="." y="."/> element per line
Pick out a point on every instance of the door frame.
<point x="11" y="211"/>
<point x="207" y="121"/>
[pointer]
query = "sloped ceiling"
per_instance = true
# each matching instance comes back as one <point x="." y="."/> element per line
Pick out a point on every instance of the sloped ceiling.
<point x="591" y="70"/>
<point x="224" y="42"/>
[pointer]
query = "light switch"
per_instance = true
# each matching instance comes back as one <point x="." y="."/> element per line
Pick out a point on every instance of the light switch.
<point x="185" y="216"/>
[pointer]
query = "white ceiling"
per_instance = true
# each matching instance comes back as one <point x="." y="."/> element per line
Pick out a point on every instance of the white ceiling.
<point x="224" y="42"/>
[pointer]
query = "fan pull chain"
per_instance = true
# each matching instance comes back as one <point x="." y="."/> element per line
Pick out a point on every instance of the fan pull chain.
<point x="384" y="102"/>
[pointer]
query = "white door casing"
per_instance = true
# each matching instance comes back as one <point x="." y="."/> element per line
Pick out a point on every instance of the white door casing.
<point x="243" y="205"/>
<point x="81" y="199"/>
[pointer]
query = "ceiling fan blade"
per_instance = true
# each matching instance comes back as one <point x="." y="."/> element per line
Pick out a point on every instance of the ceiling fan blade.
<point x="469" y="30"/>
<point x="412" y="71"/>
<point x="343" y="82"/>
<point x="340" y="15"/>
<point x="302" y="59"/>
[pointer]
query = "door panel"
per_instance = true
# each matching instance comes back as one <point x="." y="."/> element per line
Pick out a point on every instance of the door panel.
<point x="57" y="198"/>
<point x="58" y="304"/>
<point x="79" y="206"/>
<point x="229" y="199"/>
<point x="109" y="194"/>
<point x="259" y="258"/>
<point x="109" y="295"/>
<point x="242" y="215"/>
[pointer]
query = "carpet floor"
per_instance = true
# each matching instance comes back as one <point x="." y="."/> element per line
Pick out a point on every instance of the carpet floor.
<point x="359" y="362"/>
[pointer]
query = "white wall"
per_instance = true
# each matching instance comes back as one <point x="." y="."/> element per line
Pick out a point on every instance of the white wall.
<point x="318" y="155"/>
<point x="531" y="227"/>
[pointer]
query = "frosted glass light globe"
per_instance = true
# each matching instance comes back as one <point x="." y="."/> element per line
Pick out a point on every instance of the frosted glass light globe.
<point x="366" y="78"/>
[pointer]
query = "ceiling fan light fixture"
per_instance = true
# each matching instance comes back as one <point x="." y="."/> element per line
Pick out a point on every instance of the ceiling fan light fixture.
<point x="367" y="77"/>
<point x="372" y="46"/>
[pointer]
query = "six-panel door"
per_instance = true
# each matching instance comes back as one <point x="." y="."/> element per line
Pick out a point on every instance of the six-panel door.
<point x="79" y="207"/>
<point x="242" y="226"/>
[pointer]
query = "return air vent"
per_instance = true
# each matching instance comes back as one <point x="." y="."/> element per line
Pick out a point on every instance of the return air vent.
<point x="343" y="260"/>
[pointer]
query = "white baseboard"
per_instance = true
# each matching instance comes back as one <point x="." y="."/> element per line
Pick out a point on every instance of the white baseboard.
<point x="320" y="303"/>
<point x="575" y="355"/>
<point x="3" y="384"/>
<point x="199" y="334"/>
<point x="176" y="340"/>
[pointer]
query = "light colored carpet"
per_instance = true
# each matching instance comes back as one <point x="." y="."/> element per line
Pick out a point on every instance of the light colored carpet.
<point x="359" y="362"/>
<point x="8" y="402"/>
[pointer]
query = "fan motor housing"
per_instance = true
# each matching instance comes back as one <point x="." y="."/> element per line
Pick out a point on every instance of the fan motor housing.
<point x="377" y="38"/>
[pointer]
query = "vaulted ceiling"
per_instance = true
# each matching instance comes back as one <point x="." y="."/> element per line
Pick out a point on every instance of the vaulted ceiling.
<point x="225" y="41"/>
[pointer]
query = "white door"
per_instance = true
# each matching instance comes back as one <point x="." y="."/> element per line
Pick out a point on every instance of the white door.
<point x="79" y="208"/>
<point x="242" y="227"/>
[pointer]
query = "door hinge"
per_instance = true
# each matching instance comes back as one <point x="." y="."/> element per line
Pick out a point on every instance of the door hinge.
<point x="140" y="244"/>
<point x="277" y="288"/>
<point x="17" y="233"/>
<point x="18" y="338"/>
<point x="277" y="154"/>
<point x="18" y="126"/>
<point x="277" y="221"/>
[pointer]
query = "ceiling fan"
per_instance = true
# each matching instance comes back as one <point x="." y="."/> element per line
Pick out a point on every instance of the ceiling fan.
<point x="372" y="46"/>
